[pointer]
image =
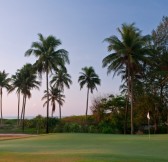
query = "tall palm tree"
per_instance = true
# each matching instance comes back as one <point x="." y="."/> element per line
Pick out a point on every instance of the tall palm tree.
<point x="28" y="82"/>
<point x="16" y="84"/>
<point x="129" y="53"/>
<point x="60" y="79"/>
<point x="89" y="78"/>
<point x="48" y="58"/>
<point x="54" y="96"/>
<point x="4" y="83"/>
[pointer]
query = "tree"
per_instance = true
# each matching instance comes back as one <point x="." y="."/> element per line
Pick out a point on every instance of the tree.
<point x="160" y="34"/>
<point x="108" y="111"/>
<point x="89" y="78"/>
<point x="28" y="82"/>
<point x="60" y="79"/>
<point x="48" y="58"/>
<point x="4" y="83"/>
<point x="159" y="71"/>
<point x="16" y="84"/>
<point x="98" y="108"/>
<point x="128" y="55"/>
<point x="54" y="96"/>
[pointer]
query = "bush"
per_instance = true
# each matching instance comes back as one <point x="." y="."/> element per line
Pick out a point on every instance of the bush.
<point x="108" y="127"/>
<point x="74" y="127"/>
<point x="92" y="129"/>
<point x="107" y="130"/>
<point x="59" y="128"/>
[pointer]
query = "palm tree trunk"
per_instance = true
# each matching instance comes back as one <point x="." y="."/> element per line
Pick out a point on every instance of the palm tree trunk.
<point x="23" y="113"/>
<point x="47" y="124"/>
<point x="87" y="103"/>
<point x="60" y="111"/>
<point x="130" y="95"/>
<point x="1" y="104"/>
<point x="21" y="116"/>
<point x="59" y="107"/>
<point x="18" y="107"/>
<point x="155" y="125"/>
<point x="52" y="113"/>
<point x="167" y="122"/>
<point x="132" y="125"/>
<point x="126" y="115"/>
<point x="156" y="117"/>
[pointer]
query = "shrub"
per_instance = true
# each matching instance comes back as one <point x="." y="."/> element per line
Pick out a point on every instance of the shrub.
<point x="93" y="129"/>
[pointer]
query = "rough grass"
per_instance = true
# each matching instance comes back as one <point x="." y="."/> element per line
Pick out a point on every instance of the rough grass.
<point x="85" y="148"/>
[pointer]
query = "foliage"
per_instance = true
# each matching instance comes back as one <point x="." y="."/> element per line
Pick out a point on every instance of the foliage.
<point x="109" y="113"/>
<point x="28" y="82"/>
<point x="4" y="83"/>
<point x="48" y="59"/>
<point x="141" y="61"/>
<point x="54" y="95"/>
<point x="89" y="78"/>
<point x="127" y="58"/>
<point x="60" y="79"/>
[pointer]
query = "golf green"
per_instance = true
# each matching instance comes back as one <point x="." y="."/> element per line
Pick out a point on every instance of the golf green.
<point x="85" y="148"/>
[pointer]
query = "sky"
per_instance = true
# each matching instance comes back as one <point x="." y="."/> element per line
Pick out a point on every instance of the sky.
<point x="81" y="25"/>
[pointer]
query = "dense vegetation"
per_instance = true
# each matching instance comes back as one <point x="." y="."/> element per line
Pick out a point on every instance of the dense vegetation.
<point x="140" y="60"/>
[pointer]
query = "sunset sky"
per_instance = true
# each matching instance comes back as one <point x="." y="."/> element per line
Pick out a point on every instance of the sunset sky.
<point x="81" y="25"/>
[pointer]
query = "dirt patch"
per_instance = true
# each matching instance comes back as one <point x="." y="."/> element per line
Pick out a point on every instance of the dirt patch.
<point x="14" y="136"/>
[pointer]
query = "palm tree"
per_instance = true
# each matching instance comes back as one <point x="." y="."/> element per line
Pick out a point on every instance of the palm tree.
<point x="54" y="96"/>
<point x="28" y="82"/>
<point x="4" y="83"/>
<point x="89" y="78"/>
<point x="16" y="84"/>
<point x="60" y="79"/>
<point x="48" y="58"/>
<point x="128" y="55"/>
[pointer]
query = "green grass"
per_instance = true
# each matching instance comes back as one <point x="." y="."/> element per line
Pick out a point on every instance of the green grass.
<point x="85" y="148"/>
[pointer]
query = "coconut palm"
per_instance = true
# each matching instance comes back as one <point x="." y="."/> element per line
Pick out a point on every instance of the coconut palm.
<point x="48" y="58"/>
<point x="60" y="79"/>
<point x="16" y="85"/>
<point x="89" y="78"/>
<point x="28" y="82"/>
<point x="54" y="96"/>
<point x="4" y="83"/>
<point x="128" y="54"/>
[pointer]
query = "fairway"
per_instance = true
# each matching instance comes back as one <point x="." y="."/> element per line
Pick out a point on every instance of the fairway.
<point x="85" y="148"/>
